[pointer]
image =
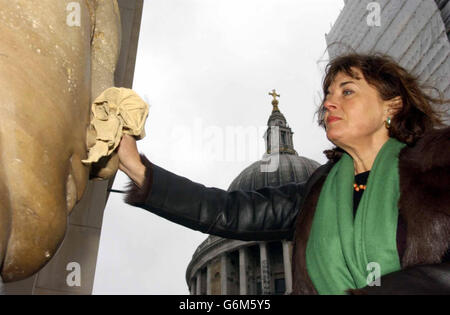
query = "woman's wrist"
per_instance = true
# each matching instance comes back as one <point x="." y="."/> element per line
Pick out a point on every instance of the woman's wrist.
<point x="137" y="174"/>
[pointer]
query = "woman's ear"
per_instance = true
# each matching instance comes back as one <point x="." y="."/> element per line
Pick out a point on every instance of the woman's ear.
<point x="394" y="105"/>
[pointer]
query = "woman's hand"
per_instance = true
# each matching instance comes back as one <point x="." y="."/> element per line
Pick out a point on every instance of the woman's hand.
<point x="130" y="161"/>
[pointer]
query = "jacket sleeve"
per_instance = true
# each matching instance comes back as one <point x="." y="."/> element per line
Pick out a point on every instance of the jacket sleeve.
<point x="265" y="214"/>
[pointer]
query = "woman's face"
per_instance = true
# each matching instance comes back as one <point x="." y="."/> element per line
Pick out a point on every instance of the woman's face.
<point x="355" y="113"/>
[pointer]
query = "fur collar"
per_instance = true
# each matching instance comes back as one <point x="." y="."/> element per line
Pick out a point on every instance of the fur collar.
<point x="424" y="199"/>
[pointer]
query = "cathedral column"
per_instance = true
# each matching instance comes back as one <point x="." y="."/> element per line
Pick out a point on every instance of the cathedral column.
<point x="208" y="279"/>
<point x="287" y="266"/>
<point x="198" y="283"/>
<point x="265" y="269"/>
<point x="224" y="274"/>
<point x="243" y="262"/>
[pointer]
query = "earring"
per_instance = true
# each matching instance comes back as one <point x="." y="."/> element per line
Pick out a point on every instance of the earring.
<point x="387" y="123"/>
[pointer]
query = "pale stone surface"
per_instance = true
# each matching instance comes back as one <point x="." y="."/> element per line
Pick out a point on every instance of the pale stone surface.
<point x="22" y="287"/>
<point x="54" y="275"/>
<point x="287" y="257"/>
<point x="243" y="266"/>
<point x="224" y="268"/>
<point x="212" y="250"/>
<point x="40" y="291"/>
<point x="226" y="259"/>
<point x="208" y="279"/>
<point x="198" y="283"/>
<point x="131" y="14"/>
<point x="215" y="276"/>
<point x="86" y="212"/>
<point x="237" y="267"/>
<point x="265" y="269"/>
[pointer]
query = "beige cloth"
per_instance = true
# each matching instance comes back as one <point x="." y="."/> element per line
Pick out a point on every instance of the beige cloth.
<point x="115" y="112"/>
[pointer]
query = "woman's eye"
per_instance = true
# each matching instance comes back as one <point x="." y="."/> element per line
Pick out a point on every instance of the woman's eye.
<point x="347" y="92"/>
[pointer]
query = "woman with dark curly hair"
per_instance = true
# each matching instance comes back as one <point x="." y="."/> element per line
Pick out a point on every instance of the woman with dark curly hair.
<point x="382" y="199"/>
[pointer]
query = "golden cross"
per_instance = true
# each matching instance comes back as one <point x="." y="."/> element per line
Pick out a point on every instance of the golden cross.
<point x="274" y="95"/>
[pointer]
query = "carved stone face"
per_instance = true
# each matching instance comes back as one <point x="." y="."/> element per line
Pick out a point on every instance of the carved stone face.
<point x="45" y="84"/>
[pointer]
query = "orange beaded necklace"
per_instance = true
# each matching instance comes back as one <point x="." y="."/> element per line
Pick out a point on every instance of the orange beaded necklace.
<point x="359" y="187"/>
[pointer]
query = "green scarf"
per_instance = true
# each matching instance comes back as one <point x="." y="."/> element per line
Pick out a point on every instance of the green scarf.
<point x="341" y="246"/>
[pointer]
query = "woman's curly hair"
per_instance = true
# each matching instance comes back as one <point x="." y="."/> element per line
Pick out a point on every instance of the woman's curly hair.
<point x="413" y="119"/>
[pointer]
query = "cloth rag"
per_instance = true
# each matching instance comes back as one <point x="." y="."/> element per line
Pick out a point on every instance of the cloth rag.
<point x="115" y="112"/>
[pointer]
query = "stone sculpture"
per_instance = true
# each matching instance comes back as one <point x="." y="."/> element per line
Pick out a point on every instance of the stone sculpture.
<point x="56" y="56"/>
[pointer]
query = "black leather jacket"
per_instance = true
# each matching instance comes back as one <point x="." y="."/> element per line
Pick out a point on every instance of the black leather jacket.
<point x="266" y="214"/>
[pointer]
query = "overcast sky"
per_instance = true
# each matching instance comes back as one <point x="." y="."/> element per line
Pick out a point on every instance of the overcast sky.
<point x="206" y="68"/>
